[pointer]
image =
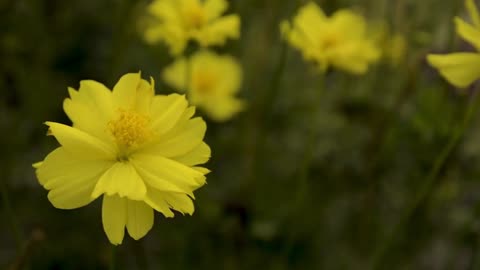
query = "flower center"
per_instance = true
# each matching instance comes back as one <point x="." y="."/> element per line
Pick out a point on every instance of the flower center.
<point x="204" y="82"/>
<point x="330" y="41"/>
<point x="129" y="129"/>
<point x="195" y="16"/>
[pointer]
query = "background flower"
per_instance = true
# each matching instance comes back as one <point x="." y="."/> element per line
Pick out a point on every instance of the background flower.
<point x="175" y="22"/>
<point x="340" y="40"/>
<point x="211" y="82"/>
<point x="462" y="69"/>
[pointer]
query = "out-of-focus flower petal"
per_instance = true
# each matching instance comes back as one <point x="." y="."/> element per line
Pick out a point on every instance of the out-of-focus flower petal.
<point x="460" y="69"/>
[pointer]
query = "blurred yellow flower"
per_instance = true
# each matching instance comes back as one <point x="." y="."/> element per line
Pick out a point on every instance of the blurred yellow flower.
<point x="137" y="149"/>
<point x="175" y="22"/>
<point x="340" y="40"/>
<point x="211" y="81"/>
<point x="463" y="68"/>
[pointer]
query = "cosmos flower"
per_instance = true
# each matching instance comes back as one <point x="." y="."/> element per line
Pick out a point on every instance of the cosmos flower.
<point x="175" y="22"/>
<point x="137" y="150"/>
<point x="211" y="82"/>
<point x="339" y="41"/>
<point x="463" y="68"/>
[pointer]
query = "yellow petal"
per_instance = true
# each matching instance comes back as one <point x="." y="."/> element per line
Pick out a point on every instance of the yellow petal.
<point x="139" y="219"/>
<point x="155" y="200"/>
<point x="215" y="8"/>
<point x="469" y="33"/>
<point x="69" y="179"/>
<point x="473" y="12"/>
<point x="144" y="96"/>
<point x="169" y="170"/>
<point x="114" y="218"/>
<point x="163" y="201"/>
<point x="218" y="31"/>
<point x="198" y="155"/>
<point x="225" y="72"/>
<point x="80" y="143"/>
<point x="37" y="165"/>
<point x="176" y="38"/>
<point x="167" y="26"/>
<point x="223" y="109"/>
<point x="460" y="69"/>
<point x="175" y="75"/>
<point x="123" y="180"/>
<point x="204" y="171"/>
<point x="173" y="35"/>
<point x="309" y="20"/>
<point x="61" y="167"/>
<point x="166" y="111"/>
<point x="92" y="101"/>
<point x="124" y="92"/>
<point x="349" y="23"/>
<point x="355" y="56"/>
<point x="179" y="142"/>
<point x="179" y="202"/>
<point x="157" y="182"/>
<point x="165" y="10"/>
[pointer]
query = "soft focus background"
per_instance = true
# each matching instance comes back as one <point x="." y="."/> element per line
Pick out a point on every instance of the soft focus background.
<point x="304" y="179"/>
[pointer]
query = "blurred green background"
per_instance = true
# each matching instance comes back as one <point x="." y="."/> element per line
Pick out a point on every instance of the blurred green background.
<point x="306" y="178"/>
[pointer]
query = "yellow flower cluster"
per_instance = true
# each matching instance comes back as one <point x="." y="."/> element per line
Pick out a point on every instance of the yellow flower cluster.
<point x="339" y="41"/>
<point x="209" y="80"/>
<point x="463" y="68"/>
<point x="139" y="151"/>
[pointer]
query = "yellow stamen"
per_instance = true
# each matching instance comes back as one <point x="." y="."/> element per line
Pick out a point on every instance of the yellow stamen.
<point x="129" y="129"/>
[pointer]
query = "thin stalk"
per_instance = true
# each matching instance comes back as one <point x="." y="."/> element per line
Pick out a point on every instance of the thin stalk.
<point x="306" y="160"/>
<point x="277" y="75"/>
<point x="113" y="258"/>
<point x="310" y="145"/>
<point x="428" y="184"/>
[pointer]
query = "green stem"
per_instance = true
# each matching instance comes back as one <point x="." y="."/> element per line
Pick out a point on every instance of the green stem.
<point x="310" y="145"/>
<point x="427" y="186"/>
<point x="306" y="162"/>
<point x="277" y="75"/>
<point x="113" y="258"/>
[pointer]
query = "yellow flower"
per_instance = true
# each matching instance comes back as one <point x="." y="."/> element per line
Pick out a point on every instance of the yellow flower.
<point x="213" y="81"/>
<point x="339" y="41"/>
<point x="175" y="22"/>
<point x="462" y="69"/>
<point x="140" y="151"/>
